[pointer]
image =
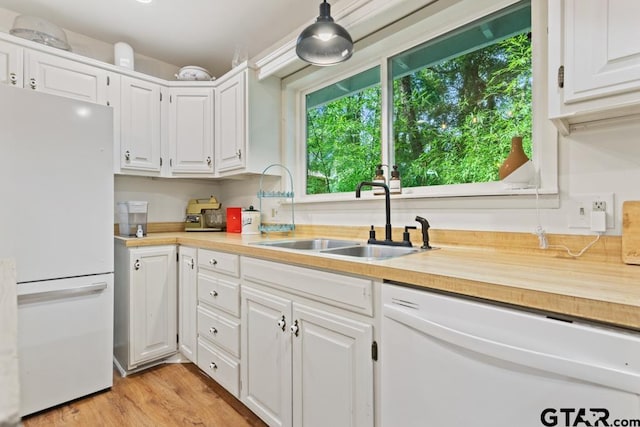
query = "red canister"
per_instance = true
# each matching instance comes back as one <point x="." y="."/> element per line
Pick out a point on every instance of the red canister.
<point x="234" y="220"/>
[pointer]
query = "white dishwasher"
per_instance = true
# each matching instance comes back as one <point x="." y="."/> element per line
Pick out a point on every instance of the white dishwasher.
<point x="454" y="362"/>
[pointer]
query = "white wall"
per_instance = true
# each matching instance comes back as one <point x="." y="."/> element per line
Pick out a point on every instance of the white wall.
<point x="167" y="198"/>
<point x="101" y="51"/>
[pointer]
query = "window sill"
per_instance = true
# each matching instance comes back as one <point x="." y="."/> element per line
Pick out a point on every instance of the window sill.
<point x="492" y="195"/>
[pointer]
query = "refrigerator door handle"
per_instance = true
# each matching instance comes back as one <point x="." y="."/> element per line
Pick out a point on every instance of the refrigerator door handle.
<point x="61" y="293"/>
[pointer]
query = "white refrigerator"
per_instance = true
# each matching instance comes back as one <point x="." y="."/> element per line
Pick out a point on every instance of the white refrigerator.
<point x="56" y="221"/>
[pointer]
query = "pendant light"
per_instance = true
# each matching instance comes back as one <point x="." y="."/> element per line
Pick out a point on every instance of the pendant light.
<point x="324" y="42"/>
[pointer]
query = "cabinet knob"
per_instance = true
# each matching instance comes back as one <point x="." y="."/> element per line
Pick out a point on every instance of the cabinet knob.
<point x="295" y="328"/>
<point x="136" y="264"/>
<point x="213" y="261"/>
<point x="191" y="263"/>
<point x="127" y="155"/>
<point x="239" y="153"/>
<point x="213" y="330"/>
<point x="213" y="366"/>
<point x="213" y="293"/>
<point x="282" y="323"/>
<point x="13" y="78"/>
<point x="209" y="160"/>
<point x="32" y="83"/>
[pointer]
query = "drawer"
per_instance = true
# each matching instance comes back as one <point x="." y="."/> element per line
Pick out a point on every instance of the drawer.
<point x="348" y="292"/>
<point x="219" y="330"/>
<point x="219" y="293"/>
<point x="223" y="369"/>
<point x="220" y="262"/>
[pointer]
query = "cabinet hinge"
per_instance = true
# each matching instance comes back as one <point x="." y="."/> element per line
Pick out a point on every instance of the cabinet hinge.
<point x="177" y="257"/>
<point x="561" y="76"/>
<point x="171" y="162"/>
<point x="160" y="96"/>
<point x="374" y="351"/>
<point x="108" y="81"/>
<point x="160" y="161"/>
<point x="170" y="99"/>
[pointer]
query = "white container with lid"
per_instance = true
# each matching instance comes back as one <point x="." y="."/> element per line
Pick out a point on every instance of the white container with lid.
<point x="250" y="221"/>
<point x="131" y="215"/>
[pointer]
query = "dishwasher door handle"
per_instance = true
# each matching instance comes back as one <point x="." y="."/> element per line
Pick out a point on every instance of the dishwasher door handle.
<point x="604" y="375"/>
<point x="61" y="293"/>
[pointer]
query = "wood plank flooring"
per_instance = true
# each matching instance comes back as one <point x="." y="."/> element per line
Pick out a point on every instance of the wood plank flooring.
<point x="166" y="395"/>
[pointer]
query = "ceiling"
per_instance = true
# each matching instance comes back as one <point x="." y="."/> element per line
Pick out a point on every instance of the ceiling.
<point x="205" y="33"/>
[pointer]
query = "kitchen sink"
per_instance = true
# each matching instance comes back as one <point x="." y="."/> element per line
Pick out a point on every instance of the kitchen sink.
<point x="372" y="252"/>
<point x="310" y="244"/>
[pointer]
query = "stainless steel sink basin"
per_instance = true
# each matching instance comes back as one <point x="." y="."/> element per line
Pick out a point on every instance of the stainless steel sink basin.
<point x="372" y="252"/>
<point x="310" y="244"/>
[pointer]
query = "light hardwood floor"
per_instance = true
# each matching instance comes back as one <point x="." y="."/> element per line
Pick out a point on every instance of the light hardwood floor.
<point x="166" y="395"/>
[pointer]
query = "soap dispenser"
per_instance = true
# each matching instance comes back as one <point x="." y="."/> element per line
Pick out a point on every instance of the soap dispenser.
<point x="379" y="178"/>
<point x="395" y="186"/>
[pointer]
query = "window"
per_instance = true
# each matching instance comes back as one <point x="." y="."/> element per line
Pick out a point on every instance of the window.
<point x="454" y="104"/>
<point x="343" y="133"/>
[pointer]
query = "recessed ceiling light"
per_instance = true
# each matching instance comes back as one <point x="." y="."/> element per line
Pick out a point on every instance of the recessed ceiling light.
<point x="145" y="1"/>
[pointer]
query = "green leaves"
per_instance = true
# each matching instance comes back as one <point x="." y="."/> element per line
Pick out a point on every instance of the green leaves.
<point x="452" y="122"/>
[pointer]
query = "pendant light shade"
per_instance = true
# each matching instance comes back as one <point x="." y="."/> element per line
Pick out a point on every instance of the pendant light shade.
<point x="324" y="42"/>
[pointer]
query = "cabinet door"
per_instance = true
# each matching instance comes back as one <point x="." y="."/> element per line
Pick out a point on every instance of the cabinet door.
<point x="10" y="64"/>
<point x="191" y="130"/>
<point x="266" y="358"/>
<point x="230" y="123"/>
<point x="332" y="370"/>
<point x="188" y="302"/>
<point x="153" y="303"/>
<point x="63" y="77"/>
<point x="139" y="125"/>
<point x="601" y="58"/>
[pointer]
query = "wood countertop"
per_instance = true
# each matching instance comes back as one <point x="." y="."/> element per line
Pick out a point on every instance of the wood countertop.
<point x="593" y="290"/>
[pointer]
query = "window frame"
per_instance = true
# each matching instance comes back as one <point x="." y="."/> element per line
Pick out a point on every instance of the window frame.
<point x="392" y="41"/>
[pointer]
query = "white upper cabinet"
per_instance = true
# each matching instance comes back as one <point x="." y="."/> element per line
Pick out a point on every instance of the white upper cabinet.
<point x="247" y="122"/>
<point x="140" y="125"/>
<point x="230" y="123"/>
<point x="63" y="77"/>
<point x="10" y="64"/>
<point x="594" y="60"/>
<point x="191" y="130"/>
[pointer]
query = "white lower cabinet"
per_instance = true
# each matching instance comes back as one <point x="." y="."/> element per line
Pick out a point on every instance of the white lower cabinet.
<point x="187" y="302"/>
<point x="218" y="317"/>
<point x="305" y="363"/>
<point x="145" y="303"/>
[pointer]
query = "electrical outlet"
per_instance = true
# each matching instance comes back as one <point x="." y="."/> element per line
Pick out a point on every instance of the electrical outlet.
<point x="582" y="205"/>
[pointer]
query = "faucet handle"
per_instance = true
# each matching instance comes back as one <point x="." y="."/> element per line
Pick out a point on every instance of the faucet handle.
<point x="406" y="238"/>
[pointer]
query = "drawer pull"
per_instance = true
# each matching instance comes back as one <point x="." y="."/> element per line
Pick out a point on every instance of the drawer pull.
<point x="213" y="261"/>
<point x="213" y="330"/>
<point x="213" y="366"/>
<point x="282" y="323"/>
<point x="213" y="293"/>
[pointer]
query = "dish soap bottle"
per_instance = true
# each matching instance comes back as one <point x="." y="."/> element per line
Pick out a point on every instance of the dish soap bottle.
<point x="395" y="186"/>
<point x="379" y="178"/>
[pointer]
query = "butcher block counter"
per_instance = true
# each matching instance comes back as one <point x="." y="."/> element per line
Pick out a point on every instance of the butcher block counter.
<point x="590" y="289"/>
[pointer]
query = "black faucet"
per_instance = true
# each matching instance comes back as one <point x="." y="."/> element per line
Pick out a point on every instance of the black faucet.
<point x="425" y="232"/>
<point x="387" y="227"/>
